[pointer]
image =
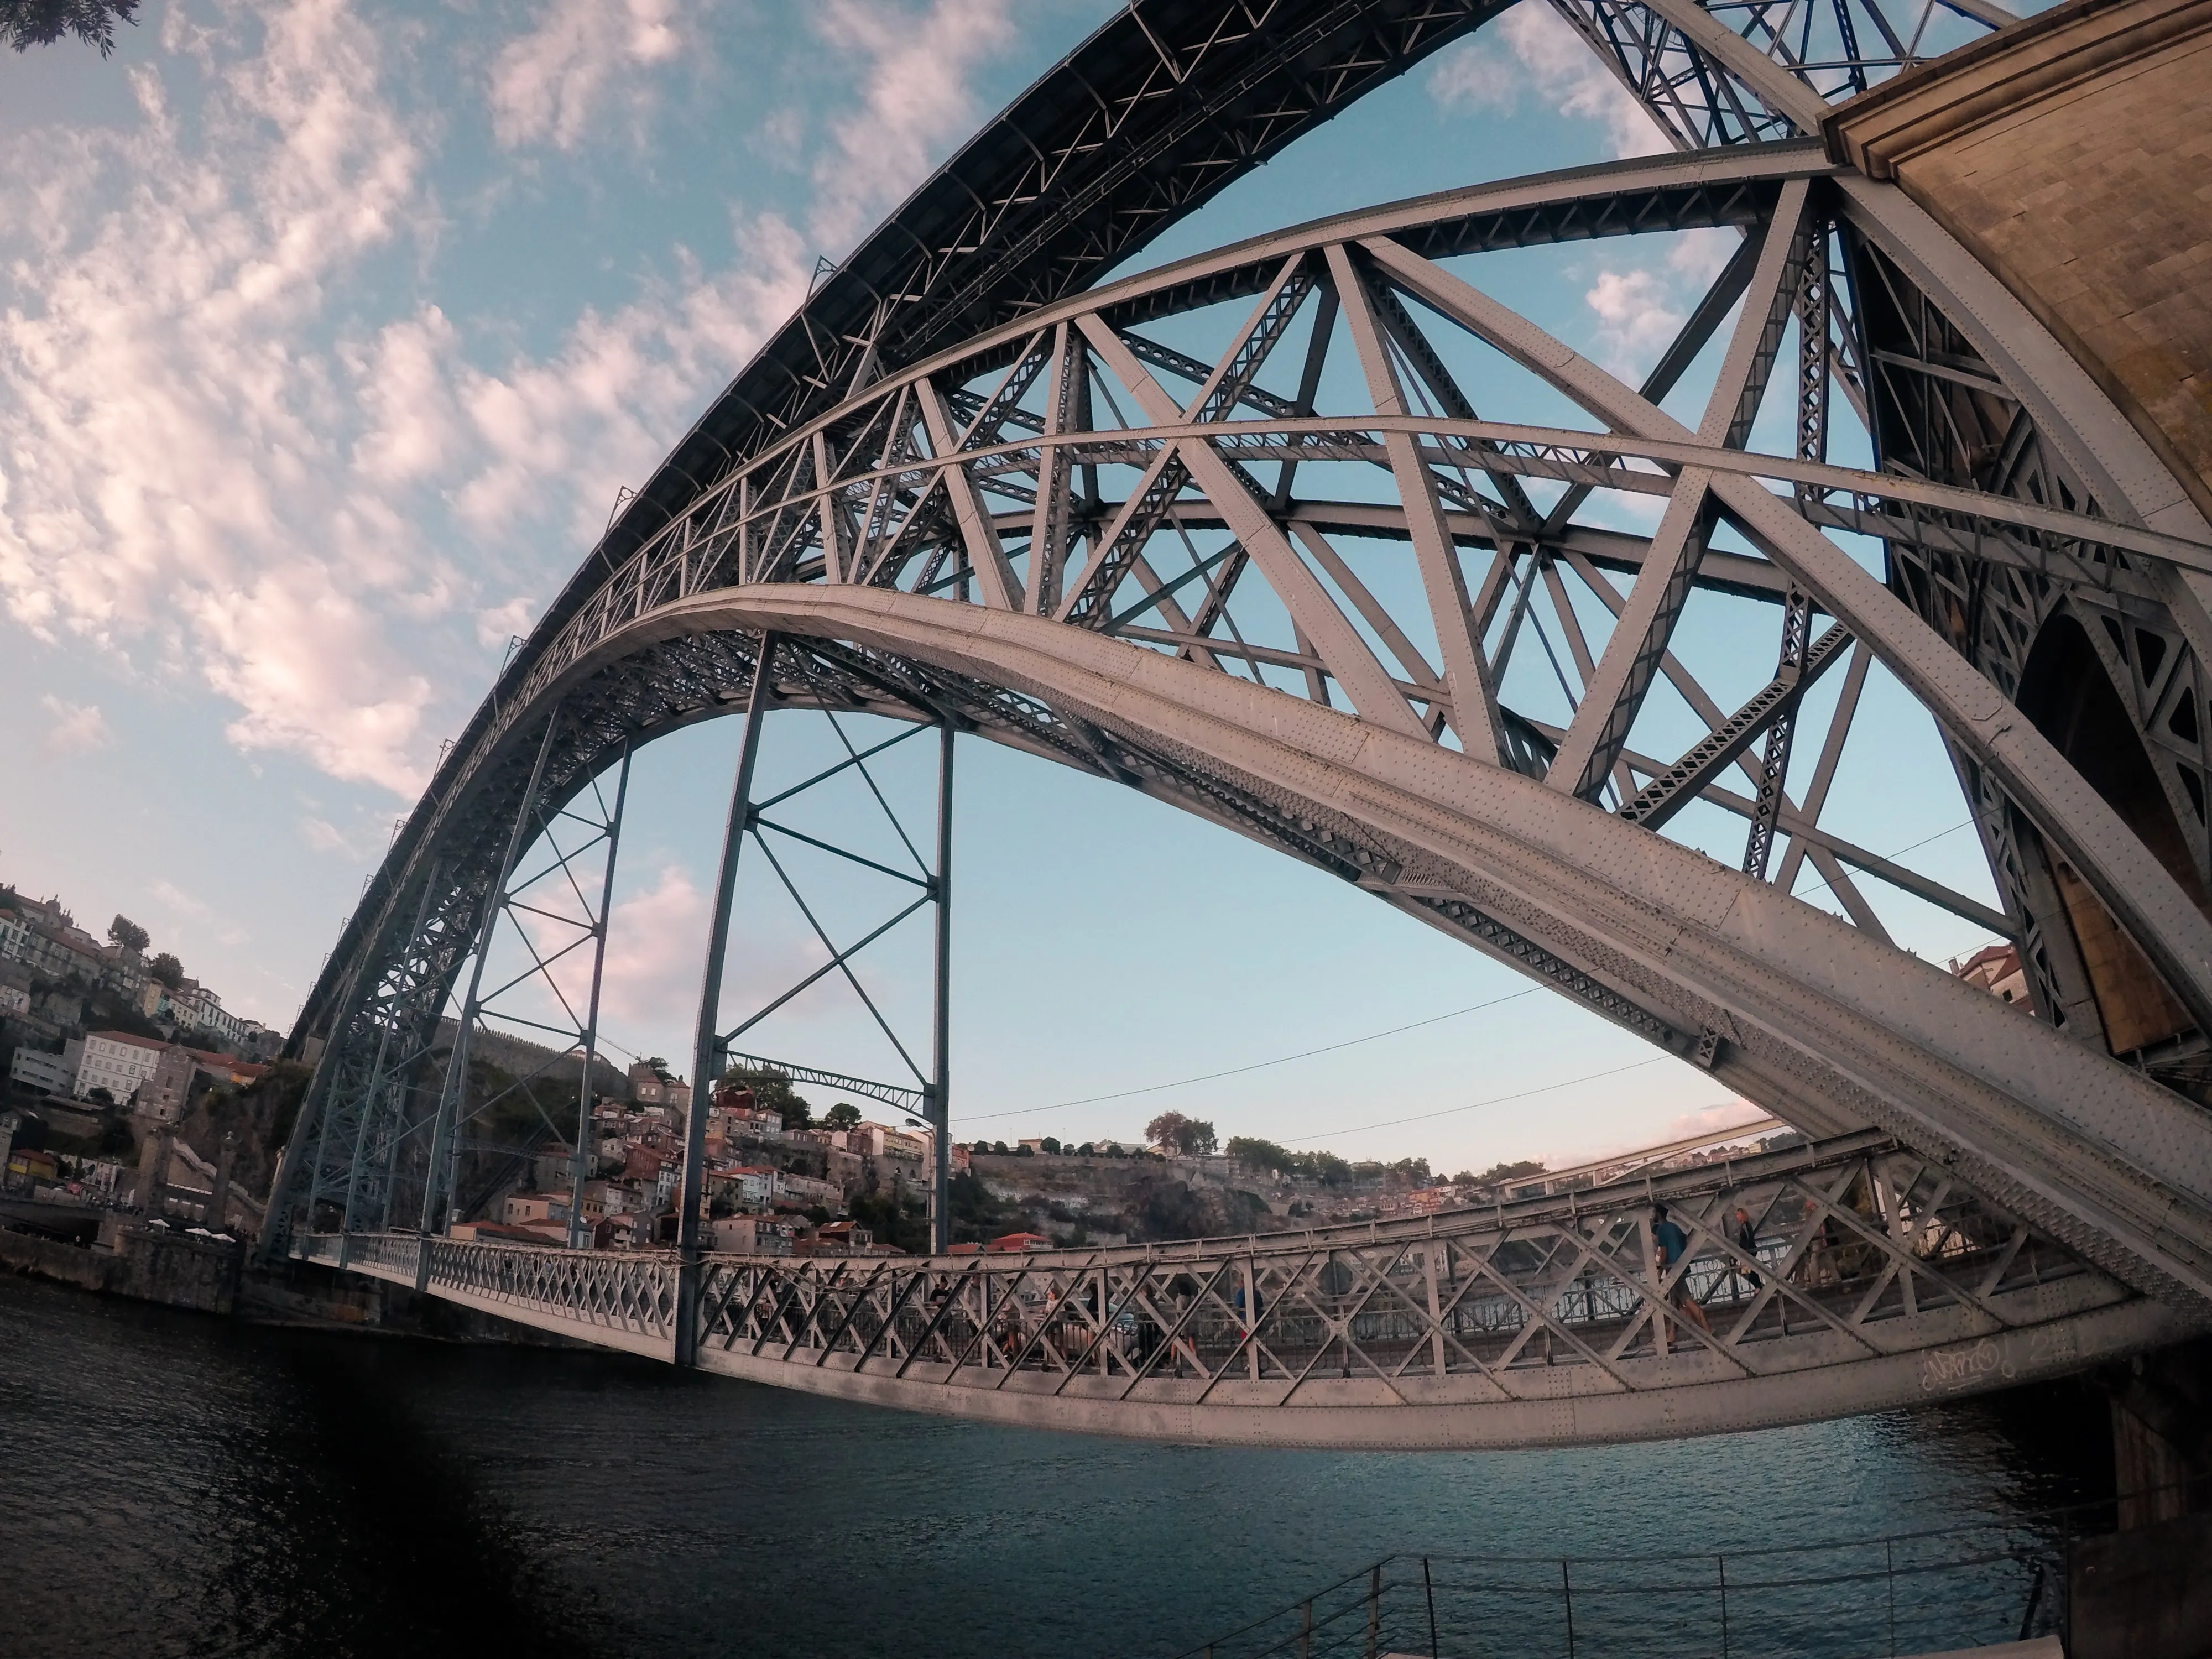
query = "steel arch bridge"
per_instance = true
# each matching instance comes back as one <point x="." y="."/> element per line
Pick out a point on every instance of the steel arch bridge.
<point x="1254" y="534"/>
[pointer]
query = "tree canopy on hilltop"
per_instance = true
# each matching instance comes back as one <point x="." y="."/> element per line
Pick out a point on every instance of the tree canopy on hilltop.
<point x="1498" y="1172"/>
<point x="1191" y="1137"/>
<point x="1255" y="1153"/>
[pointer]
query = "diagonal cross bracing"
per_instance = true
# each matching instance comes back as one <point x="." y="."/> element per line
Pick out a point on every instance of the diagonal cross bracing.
<point x="864" y="505"/>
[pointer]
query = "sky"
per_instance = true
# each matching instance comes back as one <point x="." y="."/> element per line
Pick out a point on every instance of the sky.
<point x="330" y="331"/>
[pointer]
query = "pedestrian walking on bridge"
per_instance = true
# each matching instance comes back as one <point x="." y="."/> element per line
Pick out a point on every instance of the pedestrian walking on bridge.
<point x="1673" y="1245"/>
<point x="1746" y="1240"/>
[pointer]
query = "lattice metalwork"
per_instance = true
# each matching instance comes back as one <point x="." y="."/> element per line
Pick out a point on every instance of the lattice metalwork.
<point x="1818" y="1280"/>
<point x="1747" y="71"/>
<point x="1146" y="531"/>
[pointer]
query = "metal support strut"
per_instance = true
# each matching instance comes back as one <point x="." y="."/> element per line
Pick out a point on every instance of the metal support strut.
<point x="445" y="1149"/>
<point x="940" y="1099"/>
<point x="579" y="1162"/>
<point x="707" y="1049"/>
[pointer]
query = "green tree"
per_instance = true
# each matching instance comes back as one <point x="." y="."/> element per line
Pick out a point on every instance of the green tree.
<point x="1498" y="1172"/>
<point x="128" y="934"/>
<point x="1051" y="1144"/>
<point x="1257" y="1154"/>
<point x="843" y="1115"/>
<point x="1191" y="1137"/>
<point x="895" y="1219"/>
<point x="165" y="968"/>
<point x="28" y="23"/>
<point x="772" y="1092"/>
<point x="977" y="1215"/>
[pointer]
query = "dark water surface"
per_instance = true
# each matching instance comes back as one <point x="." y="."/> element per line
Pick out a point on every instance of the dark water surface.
<point x="176" y="1485"/>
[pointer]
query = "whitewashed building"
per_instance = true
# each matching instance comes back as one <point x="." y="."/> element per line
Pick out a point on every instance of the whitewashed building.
<point x="118" y="1062"/>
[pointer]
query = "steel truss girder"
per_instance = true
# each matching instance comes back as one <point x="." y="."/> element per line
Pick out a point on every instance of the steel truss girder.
<point x="821" y="476"/>
<point x="1875" y="1278"/>
<point x="1829" y="1026"/>
<point x="644" y="636"/>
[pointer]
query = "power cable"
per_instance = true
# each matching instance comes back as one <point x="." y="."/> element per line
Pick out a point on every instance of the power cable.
<point x="1892" y="858"/>
<point x="1476" y="1105"/>
<point x="1258" y="1065"/>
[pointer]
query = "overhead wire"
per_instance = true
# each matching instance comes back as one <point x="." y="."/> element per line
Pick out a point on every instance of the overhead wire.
<point x="1476" y="1105"/>
<point x="1257" y="1064"/>
<point x="1926" y="841"/>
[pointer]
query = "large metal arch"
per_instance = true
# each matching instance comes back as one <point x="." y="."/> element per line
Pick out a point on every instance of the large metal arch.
<point x="1701" y="190"/>
<point x="1815" y="1016"/>
<point x="987" y="269"/>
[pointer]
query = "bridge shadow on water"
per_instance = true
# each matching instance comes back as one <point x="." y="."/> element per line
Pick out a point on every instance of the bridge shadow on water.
<point x="179" y="1486"/>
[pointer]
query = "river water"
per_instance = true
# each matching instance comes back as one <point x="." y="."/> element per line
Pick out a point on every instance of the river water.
<point x="172" y="1484"/>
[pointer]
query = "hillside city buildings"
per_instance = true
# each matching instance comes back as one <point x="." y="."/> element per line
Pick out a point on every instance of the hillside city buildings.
<point x="107" y="1050"/>
<point x="97" y="1023"/>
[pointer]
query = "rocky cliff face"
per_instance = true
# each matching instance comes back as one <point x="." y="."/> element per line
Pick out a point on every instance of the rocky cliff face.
<point x="259" y="1116"/>
<point x="1113" y="1200"/>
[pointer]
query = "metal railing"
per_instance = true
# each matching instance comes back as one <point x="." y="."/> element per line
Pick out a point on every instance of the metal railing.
<point x="1934" y="1589"/>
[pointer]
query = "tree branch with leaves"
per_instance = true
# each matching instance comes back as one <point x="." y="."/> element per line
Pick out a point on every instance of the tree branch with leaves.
<point x="28" y="23"/>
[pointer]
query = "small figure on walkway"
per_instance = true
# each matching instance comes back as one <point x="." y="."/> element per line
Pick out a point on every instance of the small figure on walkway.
<point x="1674" y="1244"/>
<point x="1746" y="1240"/>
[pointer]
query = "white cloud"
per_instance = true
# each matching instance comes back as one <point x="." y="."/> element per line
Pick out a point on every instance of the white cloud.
<point x="548" y="84"/>
<point x="240" y="444"/>
<point x="1712" y="1120"/>
<point x="1474" y="78"/>
<point x="915" y="102"/>
<point x="599" y="414"/>
<point x="162" y="435"/>
<point x="1641" y="307"/>
<point x="1532" y="48"/>
<point x="78" y="727"/>
<point x="497" y="624"/>
<point x="654" y="942"/>
<point x="326" y="837"/>
<point x="1637" y="317"/>
<point x="1698" y="256"/>
<point x="232" y="448"/>
<point x="179" y="901"/>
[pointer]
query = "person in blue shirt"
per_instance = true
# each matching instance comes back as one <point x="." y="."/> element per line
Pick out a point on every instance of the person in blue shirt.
<point x="1673" y="1244"/>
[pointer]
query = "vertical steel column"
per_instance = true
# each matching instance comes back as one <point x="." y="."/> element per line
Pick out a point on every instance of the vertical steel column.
<point x="368" y="1107"/>
<point x="577" y="1162"/>
<point x="444" y="1136"/>
<point x="706" y="1051"/>
<point x="940" y="1099"/>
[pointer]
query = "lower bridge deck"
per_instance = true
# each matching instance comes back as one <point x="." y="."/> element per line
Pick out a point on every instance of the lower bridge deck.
<point x="1872" y="1280"/>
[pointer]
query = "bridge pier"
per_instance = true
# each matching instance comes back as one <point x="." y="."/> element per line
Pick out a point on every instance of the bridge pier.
<point x="2161" y="1409"/>
<point x="2144" y="1591"/>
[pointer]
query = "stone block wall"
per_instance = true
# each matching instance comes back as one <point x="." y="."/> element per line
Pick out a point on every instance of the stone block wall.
<point x="2072" y="155"/>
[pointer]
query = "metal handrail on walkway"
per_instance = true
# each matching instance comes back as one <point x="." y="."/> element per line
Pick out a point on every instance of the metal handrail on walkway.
<point x="1900" y="1592"/>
